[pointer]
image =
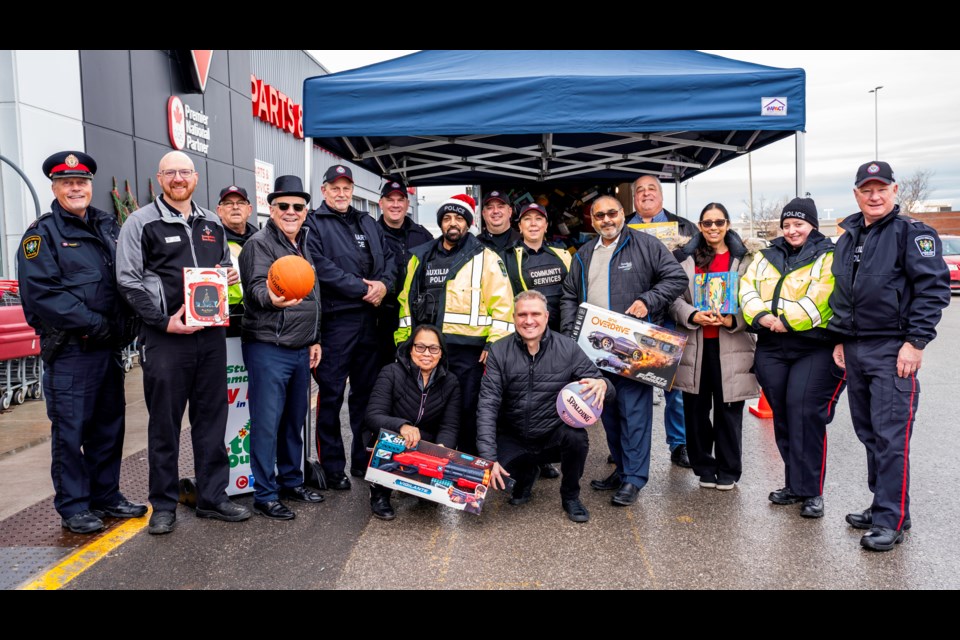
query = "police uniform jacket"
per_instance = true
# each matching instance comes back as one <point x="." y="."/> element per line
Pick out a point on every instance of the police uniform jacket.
<point x="292" y="327"/>
<point x="798" y="285"/>
<point x="399" y="398"/>
<point x="66" y="269"/>
<point x="519" y="391"/>
<point x="529" y="269"/>
<point x="154" y="248"/>
<point x="476" y="302"/>
<point x="902" y="283"/>
<point x="641" y="268"/>
<point x="333" y="246"/>
<point x="409" y="236"/>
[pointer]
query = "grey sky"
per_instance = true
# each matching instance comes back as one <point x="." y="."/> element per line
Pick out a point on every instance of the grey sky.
<point x="919" y="126"/>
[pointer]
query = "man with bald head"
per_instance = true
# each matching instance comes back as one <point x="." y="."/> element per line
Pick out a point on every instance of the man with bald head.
<point x="180" y="363"/>
<point x="632" y="273"/>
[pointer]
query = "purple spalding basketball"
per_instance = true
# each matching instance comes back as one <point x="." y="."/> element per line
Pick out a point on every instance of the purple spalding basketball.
<point x="573" y="409"/>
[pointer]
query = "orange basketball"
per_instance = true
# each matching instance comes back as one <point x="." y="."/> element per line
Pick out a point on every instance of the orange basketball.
<point x="291" y="277"/>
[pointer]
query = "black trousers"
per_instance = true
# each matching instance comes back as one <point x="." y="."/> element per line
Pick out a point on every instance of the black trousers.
<point x="464" y="363"/>
<point x="85" y="404"/>
<point x="802" y="385"/>
<point x="714" y="447"/>
<point x="349" y="340"/>
<point x="883" y="407"/>
<point x="566" y="445"/>
<point x="388" y="320"/>
<point x="178" y="369"/>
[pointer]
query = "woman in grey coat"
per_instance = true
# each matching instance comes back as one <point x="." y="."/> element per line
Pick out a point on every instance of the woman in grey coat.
<point x="715" y="371"/>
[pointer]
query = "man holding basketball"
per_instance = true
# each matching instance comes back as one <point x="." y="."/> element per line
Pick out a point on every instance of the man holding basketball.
<point x="517" y="423"/>
<point x="281" y="343"/>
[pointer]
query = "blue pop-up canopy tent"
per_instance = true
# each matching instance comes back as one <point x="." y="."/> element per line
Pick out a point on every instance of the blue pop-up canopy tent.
<point x="477" y="117"/>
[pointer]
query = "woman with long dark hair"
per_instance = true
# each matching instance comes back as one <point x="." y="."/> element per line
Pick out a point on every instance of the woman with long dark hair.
<point x="715" y="370"/>
<point x="785" y="296"/>
<point x="416" y="397"/>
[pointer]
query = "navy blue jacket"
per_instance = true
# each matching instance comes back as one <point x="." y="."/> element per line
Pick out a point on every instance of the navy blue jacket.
<point x="401" y="241"/>
<point x="641" y="268"/>
<point x="901" y="286"/>
<point x="335" y="256"/>
<point x="66" y="270"/>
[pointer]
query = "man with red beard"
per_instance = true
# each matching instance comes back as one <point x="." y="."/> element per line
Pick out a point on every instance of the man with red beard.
<point x="180" y="363"/>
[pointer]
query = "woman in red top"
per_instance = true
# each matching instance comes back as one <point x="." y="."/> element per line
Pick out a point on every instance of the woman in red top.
<point x="715" y="371"/>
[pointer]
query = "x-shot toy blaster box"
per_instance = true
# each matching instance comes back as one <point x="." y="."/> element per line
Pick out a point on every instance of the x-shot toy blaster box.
<point x="432" y="472"/>
<point x="205" y="296"/>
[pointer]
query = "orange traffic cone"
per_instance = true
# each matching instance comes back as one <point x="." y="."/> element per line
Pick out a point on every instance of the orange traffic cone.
<point x="762" y="410"/>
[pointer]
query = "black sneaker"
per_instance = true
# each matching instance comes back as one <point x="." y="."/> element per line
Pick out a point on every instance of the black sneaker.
<point x="227" y="511"/>
<point x="575" y="510"/>
<point x="679" y="456"/>
<point x="83" y="522"/>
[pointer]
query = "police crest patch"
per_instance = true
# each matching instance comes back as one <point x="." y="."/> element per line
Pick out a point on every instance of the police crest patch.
<point x="926" y="246"/>
<point x="31" y="247"/>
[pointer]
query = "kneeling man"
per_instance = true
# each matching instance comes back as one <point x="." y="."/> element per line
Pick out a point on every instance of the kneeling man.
<point x="517" y="422"/>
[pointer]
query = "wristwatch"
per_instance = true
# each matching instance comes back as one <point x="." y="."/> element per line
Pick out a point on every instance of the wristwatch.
<point x="917" y="344"/>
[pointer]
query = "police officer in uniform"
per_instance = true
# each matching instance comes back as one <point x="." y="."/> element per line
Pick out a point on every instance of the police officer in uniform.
<point x="891" y="287"/>
<point x="69" y="293"/>
<point x="459" y="285"/>
<point x="402" y="234"/>
<point x="532" y="263"/>
<point x="234" y="210"/>
<point x="356" y="268"/>
<point x="497" y="214"/>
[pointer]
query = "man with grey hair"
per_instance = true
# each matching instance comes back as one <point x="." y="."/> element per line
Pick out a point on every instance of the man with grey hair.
<point x="648" y="209"/>
<point x="180" y="363"/>
<point x="517" y="422"/>
<point x="633" y="273"/>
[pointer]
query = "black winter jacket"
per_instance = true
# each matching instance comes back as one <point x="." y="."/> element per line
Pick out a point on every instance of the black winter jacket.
<point x="641" y="268"/>
<point x="397" y="399"/>
<point x="293" y="327"/>
<point x="518" y="393"/>
<point x="336" y="257"/>
<point x="401" y="241"/>
<point x="901" y="286"/>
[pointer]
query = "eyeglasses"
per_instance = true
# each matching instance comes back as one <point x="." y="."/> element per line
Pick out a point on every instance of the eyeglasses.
<point x="234" y="203"/>
<point x="184" y="173"/>
<point x="706" y="224"/>
<point x="424" y="348"/>
<point x="283" y="206"/>
<point x="600" y="215"/>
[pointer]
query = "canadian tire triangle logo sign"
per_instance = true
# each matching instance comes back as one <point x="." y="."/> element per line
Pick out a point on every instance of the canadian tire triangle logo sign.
<point x="201" y="67"/>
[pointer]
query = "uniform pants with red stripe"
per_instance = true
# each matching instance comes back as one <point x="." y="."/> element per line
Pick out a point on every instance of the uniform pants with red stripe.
<point x="802" y="385"/>
<point x="883" y="407"/>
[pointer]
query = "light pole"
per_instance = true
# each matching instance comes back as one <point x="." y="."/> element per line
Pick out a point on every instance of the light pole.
<point x="876" y="125"/>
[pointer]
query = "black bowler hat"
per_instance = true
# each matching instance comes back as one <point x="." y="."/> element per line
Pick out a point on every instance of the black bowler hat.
<point x="880" y="171"/>
<point x="394" y="186"/>
<point x="288" y="186"/>
<point x="69" y="164"/>
<point x="233" y="189"/>
<point x="336" y="172"/>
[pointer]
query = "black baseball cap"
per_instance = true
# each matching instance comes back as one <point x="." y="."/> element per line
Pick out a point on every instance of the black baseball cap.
<point x="394" y="186"/>
<point x="533" y="207"/>
<point x="876" y="170"/>
<point x="336" y="172"/>
<point x="233" y="189"/>
<point x="496" y="194"/>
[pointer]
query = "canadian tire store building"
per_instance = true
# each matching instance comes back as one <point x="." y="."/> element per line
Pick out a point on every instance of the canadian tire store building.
<point x="236" y="113"/>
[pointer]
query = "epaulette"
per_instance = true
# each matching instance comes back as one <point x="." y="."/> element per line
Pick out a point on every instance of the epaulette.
<point x="34" y="224"/>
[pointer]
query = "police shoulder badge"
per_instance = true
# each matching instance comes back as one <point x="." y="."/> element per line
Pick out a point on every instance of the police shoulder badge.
<point x="31" y="247"/>
<point x="926" y="246"/>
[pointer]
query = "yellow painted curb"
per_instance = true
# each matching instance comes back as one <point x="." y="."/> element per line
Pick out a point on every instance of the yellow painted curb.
<point x="86" y="556"/>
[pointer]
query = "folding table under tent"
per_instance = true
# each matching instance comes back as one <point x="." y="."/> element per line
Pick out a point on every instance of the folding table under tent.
<point x="489" y="117"/>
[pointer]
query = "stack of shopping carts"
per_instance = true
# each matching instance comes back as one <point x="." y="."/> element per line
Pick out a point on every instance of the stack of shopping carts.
<point x="21" y="368"/>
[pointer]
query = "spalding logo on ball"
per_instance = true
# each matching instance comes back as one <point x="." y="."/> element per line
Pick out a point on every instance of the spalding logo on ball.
<point x="291" y="277"/>
<point x="573" y="409"/>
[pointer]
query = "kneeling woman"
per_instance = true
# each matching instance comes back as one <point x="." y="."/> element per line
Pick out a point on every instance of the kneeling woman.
<point x="785" y="296"/>
<point x="715" y="370"/>
<point x="416" y="397"/>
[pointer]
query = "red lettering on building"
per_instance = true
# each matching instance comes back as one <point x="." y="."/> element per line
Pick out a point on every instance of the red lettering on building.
<point x="275" y="108"/>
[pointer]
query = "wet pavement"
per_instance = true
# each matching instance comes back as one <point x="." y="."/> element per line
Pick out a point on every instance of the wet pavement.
<point x="676" y="536"/>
